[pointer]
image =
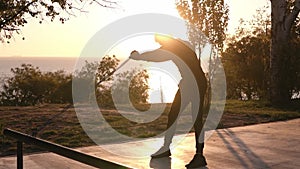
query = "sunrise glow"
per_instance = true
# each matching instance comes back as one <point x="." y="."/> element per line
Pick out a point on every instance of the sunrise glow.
<point x="67" y="40"/>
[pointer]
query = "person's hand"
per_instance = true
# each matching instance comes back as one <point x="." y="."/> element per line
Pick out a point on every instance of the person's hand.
<point x="134" y="55"/>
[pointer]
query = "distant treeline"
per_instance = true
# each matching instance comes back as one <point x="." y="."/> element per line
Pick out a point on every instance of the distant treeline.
<point x="30" y="86"/>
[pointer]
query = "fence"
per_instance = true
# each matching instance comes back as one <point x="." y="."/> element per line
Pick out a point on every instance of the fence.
<point x="58" y="149"/>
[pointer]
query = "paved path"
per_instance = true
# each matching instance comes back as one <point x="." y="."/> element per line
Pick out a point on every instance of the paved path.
<point x="264" y="146"/>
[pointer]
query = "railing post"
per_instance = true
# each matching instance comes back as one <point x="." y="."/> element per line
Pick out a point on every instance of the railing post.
<point x="19" y="155"/>
<point x="58" y="149"/>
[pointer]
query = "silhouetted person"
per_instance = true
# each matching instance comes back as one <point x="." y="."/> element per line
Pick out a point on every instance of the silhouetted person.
<point x="184" y="58"/>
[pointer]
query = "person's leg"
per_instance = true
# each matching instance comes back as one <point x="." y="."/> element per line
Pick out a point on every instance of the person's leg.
<point x="177" y="105"/>
<point x="199" y="137"/>
<point x="172" y="119"/>
<point x="198" y="159"/>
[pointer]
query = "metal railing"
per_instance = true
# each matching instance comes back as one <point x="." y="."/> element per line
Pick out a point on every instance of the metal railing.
<point x="58" y="149"/>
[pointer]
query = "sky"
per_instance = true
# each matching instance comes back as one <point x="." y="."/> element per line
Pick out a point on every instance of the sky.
<point x="53" y="39"/>
<point x="67" y="40"/>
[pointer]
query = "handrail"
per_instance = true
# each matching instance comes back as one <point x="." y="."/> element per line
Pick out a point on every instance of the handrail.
<point x="60" y="150"/>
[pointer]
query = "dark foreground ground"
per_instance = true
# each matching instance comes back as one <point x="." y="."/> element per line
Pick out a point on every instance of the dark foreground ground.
<point x="59" y="124"/>
<point x="262" y="146"/>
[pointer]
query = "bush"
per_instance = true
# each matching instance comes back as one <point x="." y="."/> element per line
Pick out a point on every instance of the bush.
<point x="30" y="86"/>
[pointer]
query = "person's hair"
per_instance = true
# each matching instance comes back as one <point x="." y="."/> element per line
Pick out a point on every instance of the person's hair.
<point x="133" y="52"/>
<point x="164" y="40"/>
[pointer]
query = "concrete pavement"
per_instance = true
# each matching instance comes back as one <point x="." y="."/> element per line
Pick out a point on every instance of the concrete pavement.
<point x="263" y="146"/>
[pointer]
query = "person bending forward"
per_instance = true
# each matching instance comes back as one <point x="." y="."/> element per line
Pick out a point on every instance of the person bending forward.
<point x="188" y="65"/>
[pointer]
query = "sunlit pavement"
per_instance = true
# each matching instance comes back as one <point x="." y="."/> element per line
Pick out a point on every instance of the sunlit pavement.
<point x="263" y="146"/>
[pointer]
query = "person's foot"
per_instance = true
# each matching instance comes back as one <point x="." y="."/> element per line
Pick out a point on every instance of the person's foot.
<point x="162" y="152"/>
<point x="198" y="161"/>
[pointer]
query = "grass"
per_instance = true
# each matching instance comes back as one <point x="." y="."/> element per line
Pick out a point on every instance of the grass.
<point x="240" y="113"/>
<point x="64" y="128"/>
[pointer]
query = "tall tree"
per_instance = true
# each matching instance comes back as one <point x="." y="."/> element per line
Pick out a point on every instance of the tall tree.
<point x="14" y="14"/>
<point x="284" y="15"/>
<point x="206" y="19"/>
<point x="207" y="22"/>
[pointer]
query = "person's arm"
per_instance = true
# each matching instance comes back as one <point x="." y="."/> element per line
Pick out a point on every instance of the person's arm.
<point x="158" y="55"/>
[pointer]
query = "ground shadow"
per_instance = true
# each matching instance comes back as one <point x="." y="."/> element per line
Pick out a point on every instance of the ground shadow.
<point x="164" y="163"/>
<point x="160" y="163"/>
<point x="249" y="154"/>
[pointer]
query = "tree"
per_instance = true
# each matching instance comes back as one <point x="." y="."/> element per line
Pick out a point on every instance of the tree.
<point x="14" y="14"/>
<point x="205" y="17"/>
<point x="207" y="23"/>
<point x="295" y="60"/>
<point x="285" y="14"/>
<point x="246" y="58"/>
<point x="138" y="88"/>
<point x="133" y="81"/>
<point x="97" y="74"/>
<point x="246" y="64"/>
<point x="106" y="80"/>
